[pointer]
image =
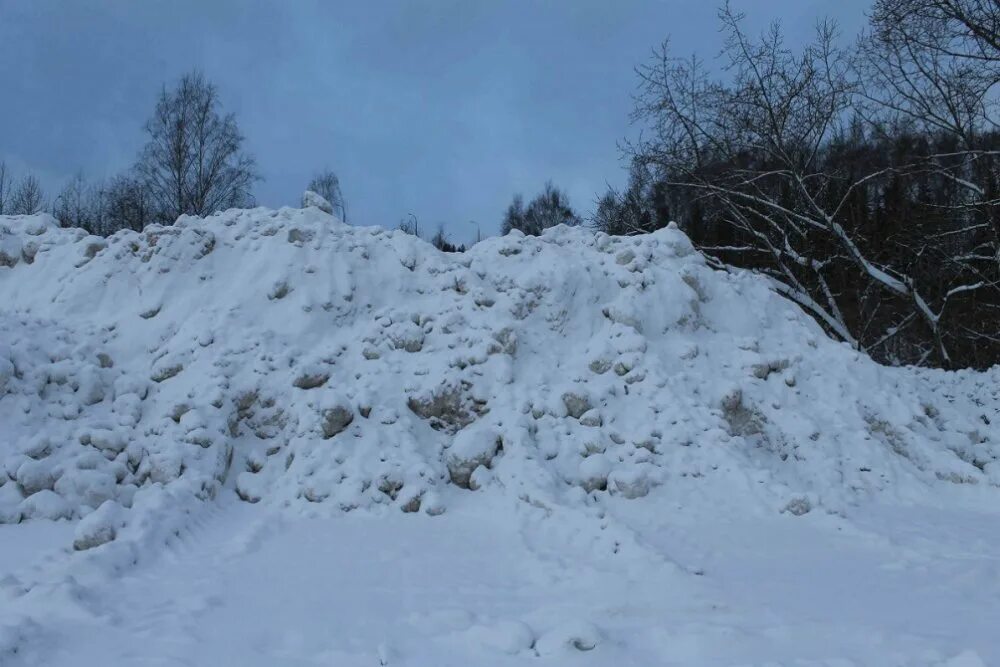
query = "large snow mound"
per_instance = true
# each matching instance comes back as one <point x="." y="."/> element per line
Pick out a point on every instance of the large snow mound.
<point x="308" y="363"/>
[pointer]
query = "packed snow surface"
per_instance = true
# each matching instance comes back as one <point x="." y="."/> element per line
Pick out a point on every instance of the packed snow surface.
<point x="266" y="437"/>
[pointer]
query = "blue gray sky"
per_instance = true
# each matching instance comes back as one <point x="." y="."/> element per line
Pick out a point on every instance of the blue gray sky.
<point x="442" y="108"/>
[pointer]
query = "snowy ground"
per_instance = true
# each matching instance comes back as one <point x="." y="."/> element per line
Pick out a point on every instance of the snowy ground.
<point x="269" y="438"/>
<point x="496" y="583"/>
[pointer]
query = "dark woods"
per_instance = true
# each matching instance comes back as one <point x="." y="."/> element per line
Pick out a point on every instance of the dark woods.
<point x="863" y="180"/>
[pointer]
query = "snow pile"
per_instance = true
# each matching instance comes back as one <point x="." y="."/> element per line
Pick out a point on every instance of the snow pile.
<point x="307" y="363"/>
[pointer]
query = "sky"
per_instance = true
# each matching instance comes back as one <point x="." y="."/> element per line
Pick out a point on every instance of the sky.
<point x="442" y="109"/>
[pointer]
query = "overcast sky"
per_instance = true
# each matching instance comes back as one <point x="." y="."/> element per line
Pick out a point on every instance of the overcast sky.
<point x="442" y="109"/>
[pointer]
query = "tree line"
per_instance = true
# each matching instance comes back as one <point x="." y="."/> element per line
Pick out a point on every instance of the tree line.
<point x="194" y="162"/>
<point x="549" y="208"/>
<point x="21" y="197"/>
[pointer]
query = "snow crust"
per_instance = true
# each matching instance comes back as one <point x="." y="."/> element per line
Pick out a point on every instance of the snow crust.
<point x="318" y="368"/>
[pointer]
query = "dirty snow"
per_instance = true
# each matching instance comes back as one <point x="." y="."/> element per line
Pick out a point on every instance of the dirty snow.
<point x="267" y="437"/>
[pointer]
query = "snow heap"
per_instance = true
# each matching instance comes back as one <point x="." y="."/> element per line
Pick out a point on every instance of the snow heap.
<point x="307" y="363"/>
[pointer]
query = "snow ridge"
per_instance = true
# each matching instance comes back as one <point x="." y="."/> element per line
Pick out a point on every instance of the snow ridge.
<point x="306" y="363"/>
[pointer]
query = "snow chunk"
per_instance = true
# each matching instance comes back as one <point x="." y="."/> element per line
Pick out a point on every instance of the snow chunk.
<point x="99" y="527"/>
<point x="576" y="404"/>
<point x="631" y="481"/>
<point x="594" y="472"/>
<point x="310" y="198"/>
<point x="45" y="505"/>
<point x="10" y="501"/>
<point x="312" y="377"/>
<point x="336" y="418"/>
<point x="34" y="476"/>
<point x="473" y="447"/>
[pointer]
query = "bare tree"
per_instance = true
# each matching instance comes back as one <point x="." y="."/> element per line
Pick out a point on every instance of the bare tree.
<point x="104" y="208"/>
<point x="327" y="185"/>
<point x="27" y="198"/>
<point x="638" y="209"/>
<point x="6" y="185"/>
<point x="965" y="29"/>
<point x="194" y="162"/>
<point x="514" y="216"/>
<point x="126" y="205"/>
<point x="922" y="66"/>
<point x="72" y="208"/>
<point x="548" y="209"/>
<point x="753" y="154"/>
